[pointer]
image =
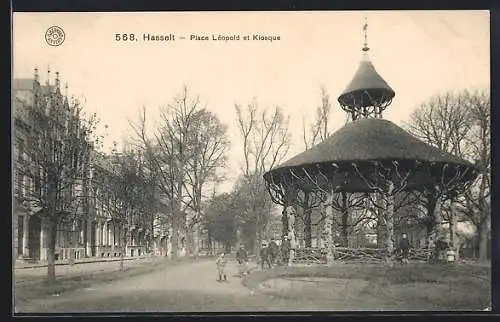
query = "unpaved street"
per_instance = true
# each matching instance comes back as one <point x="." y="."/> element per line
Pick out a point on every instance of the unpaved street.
<point x="180" y="288"/>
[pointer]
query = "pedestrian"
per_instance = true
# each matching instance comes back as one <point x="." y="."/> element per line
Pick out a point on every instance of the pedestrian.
<point x="264" y="256"/>
<point x="285" y="250"/>
<point x="273" y="251"/>
<point x="441" y="247"/>
<point x="404" y="248"/>
<point x="242" y="259"/>
<point x="221" y="267"/>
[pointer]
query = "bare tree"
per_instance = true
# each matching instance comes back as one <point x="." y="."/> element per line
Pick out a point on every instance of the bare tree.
<point x="319" y="130"/>
<point x="121" y="193"/>
<point x="476" y="199"/>
<point x="385" y="182"/>
<point x="307" y="201"/>
<point x="459" y="123"/>
<point x="59" y="144"/>
<point x="266" y="142"/>
<point x="148" y="197"/>
<point x="345" y="204"/>
<point x="221" y="222"/>
<point x="186" y="151"/>
<point x="208" y="154"/>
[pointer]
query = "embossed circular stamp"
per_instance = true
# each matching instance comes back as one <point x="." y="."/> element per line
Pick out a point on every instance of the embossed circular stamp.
<point x="55" y="36"/>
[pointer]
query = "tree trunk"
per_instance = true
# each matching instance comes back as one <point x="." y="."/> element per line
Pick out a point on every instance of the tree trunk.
<point x="196" y="240"/>
<point x="154" y="242"/>
<point x="307" y="222"/>
<point x="345" y="221"/>
<point x="389" y="216"/>
<point x="284" y="222"/>
<point x="452" y="224"/>
<point x="175" y="237"/>
<point x="259" y="242"/>
<point x="124" y="249"/>
<point x="51" y="249"/>
<point x="432" y="222"/>
<point x="482" y="238"/>
<point x="381" y="222"/>
<point x="330" y="255"/>
<point x="209" y="239"/>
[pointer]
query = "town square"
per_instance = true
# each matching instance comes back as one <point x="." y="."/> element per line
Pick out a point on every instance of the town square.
<point x="339" y="162"/>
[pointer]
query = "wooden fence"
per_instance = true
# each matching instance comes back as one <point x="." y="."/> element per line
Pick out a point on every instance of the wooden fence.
<point x="315" y="255"/>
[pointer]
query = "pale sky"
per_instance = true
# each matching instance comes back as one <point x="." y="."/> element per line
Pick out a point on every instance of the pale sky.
<point x="419" y="53"/>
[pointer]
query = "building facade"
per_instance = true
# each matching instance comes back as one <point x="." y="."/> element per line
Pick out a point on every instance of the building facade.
<point x="30" y="229"/>
<point x="91" y="231"/>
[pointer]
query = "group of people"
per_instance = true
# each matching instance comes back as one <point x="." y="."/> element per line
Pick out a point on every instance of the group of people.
<point x="273" y="254"/>
<point x="270" y="255"/>
<point x="241" y="258"/>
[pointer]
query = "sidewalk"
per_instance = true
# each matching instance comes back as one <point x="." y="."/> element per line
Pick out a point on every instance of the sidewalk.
<point x="36" y="273"/>
<point x="23" y="265"/>
<point x="30" y="283"/>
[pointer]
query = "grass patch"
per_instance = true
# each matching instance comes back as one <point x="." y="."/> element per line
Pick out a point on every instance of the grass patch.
<point x="398" y="274"/>
<point x="414" y="286"/>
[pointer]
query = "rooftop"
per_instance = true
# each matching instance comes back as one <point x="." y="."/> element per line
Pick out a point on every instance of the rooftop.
<point x="371" y="139"/>
<point x="366" y="79"/>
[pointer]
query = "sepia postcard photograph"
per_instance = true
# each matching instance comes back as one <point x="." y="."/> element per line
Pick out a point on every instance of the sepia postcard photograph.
<point x="231" y="161"/>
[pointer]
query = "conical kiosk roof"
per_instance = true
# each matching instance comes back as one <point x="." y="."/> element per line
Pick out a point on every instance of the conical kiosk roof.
<point x="364" y="142"/>
<point x="366" y="87"/>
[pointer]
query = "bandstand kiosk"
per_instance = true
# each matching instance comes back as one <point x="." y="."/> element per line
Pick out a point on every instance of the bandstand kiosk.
<point x="369" y="156"/>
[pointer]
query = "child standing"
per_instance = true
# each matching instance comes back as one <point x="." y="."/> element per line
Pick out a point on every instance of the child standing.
<point x="221" y="267"/>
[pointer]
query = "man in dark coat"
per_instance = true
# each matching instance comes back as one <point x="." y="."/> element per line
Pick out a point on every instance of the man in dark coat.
<point x="242" y="259"/>
<point x="273" y="251"/>
<point x="285" y="250"/>
<point x="264" y="256"/>
<point x="404" y="248"/>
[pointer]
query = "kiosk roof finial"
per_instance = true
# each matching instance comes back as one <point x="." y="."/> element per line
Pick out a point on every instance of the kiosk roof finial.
<point x="365" y="32"/>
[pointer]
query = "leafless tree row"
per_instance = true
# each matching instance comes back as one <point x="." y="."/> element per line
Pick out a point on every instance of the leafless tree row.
<point x="459" y="123"/>
<point x="186" y="151"/>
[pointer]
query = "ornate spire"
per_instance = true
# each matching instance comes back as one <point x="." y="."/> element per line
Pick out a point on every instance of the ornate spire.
<point x="365" y="32"/>
<point x="368" y="94"/>
<point x="48" y="76"/>
<point x="57" y="80"/>
<point x="35" y="72"/>
<point x="66" y="94"/>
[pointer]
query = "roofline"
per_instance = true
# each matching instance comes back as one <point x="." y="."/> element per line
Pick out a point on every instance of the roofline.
<point x="302" y="165"/>
<point x="390" y="90"/>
